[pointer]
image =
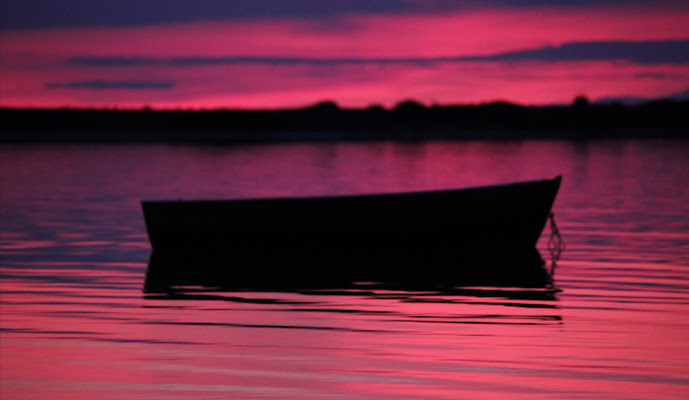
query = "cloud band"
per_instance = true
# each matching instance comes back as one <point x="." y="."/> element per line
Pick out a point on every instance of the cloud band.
<point x="110" y="85"/>
<point x="642" y="52"/>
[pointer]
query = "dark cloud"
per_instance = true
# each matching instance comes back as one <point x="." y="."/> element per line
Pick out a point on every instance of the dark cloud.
<point x="648" y="52"/>
<point x="22" y="14"/>
<point x="114" y="61"/>
<point x="110" y="85"/>
<point x="27" y="14"/>
<point x="658" y="75"/>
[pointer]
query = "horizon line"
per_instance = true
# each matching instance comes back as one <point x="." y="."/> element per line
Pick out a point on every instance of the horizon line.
<point x="602" y="101"/>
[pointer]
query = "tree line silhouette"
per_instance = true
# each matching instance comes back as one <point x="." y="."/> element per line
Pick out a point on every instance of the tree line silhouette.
<point x="408" y="120"/>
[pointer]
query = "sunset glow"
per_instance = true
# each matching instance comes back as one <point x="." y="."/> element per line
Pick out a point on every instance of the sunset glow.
<point x="356" y="58"/>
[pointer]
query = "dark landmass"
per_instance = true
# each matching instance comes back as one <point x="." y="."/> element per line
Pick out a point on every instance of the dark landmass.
<point x="409" y="120"/>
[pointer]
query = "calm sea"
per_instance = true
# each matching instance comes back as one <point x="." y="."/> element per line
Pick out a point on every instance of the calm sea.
<point x="75" y="324"/>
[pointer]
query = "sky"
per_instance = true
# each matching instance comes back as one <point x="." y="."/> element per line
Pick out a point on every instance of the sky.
<point x="280" y="53"/>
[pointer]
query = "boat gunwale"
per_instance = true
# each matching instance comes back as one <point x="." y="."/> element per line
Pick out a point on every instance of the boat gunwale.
<point x="421" y="193"/>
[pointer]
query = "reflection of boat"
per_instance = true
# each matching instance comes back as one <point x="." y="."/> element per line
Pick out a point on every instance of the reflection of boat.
<point x="531" y="297"/>
<point x="473" y="236"/>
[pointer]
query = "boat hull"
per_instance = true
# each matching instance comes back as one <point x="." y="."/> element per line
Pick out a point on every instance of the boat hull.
<point x="435" y="236"/>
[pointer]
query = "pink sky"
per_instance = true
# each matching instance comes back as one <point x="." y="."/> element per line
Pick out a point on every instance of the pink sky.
<point x="37" y="71"/>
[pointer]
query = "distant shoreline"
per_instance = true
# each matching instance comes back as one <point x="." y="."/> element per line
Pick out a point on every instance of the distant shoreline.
<point x="326" y="121"/>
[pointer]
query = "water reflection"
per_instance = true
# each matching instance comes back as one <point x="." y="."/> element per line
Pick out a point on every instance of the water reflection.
<point x="73" y="253"/>
<point x="415" y="298"/>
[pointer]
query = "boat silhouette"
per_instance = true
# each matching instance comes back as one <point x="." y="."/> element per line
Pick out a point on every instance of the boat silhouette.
<point x="413" y="240"/>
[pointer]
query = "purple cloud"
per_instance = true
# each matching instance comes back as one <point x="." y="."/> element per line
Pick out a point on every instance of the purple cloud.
<point x="110" y="85"/>
<point x="642" y="52"/>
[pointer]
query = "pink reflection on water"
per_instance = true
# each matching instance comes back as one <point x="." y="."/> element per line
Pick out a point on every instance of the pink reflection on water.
<point x="74" y="323"/>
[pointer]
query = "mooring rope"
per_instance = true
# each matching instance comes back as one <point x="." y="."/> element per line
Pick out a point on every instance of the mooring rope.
<point x="556" y="244"/>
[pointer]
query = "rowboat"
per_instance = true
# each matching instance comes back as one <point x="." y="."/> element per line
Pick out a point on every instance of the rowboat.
<point x="440" y="236"/>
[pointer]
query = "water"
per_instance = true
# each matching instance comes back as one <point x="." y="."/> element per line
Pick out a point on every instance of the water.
<point x="75" y="323"/>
